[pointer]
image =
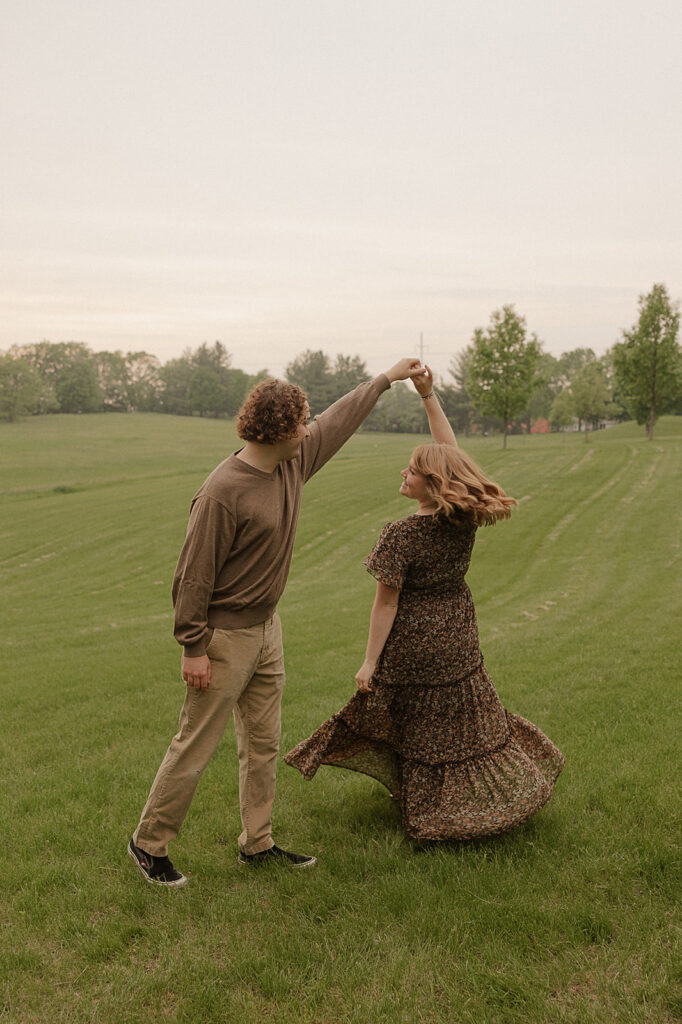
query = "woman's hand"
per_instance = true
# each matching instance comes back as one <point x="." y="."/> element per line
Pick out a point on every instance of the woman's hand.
<point x="424" y="381"/>
<point x="363" y="678"/>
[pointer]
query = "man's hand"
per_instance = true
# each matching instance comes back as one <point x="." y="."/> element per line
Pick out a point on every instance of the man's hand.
<point x="197" y="672"/>
<point x="403" y="369"/>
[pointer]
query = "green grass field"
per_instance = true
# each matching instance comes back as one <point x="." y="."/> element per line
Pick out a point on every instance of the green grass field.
<point x="571" y="918"/>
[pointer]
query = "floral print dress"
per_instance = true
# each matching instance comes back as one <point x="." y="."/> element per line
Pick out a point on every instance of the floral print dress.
<point x="433" y="730"/>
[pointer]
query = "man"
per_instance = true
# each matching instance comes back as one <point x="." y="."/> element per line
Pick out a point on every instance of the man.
<point x="229" y="578"/>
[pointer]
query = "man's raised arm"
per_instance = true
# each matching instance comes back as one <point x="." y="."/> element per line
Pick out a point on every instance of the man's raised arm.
<point x="331" y="429"/>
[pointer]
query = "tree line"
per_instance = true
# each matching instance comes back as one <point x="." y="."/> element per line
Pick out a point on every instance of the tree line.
<point x="502" y="381"/>
<point x="68" y="377"/>
<point x="506" y="375"/>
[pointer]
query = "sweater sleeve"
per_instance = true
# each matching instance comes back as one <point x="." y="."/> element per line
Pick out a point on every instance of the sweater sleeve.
<point x="210" y="533"/>
<point x="331" y="429"/>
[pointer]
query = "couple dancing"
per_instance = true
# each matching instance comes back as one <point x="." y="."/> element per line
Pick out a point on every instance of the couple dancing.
<point x="425" y="721"/>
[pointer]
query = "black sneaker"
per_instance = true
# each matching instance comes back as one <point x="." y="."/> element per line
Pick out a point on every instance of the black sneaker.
<point x="276" y="856"/>
<point x="157" y="870"/>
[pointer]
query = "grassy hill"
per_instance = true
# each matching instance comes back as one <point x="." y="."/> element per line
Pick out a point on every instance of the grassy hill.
<point x="568" y="919"/>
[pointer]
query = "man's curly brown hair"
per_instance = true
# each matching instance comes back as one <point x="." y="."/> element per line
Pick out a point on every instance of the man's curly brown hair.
<point x="272" y="412"/>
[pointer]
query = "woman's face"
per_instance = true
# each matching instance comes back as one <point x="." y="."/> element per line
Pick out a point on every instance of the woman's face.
<point x="414" y="483"/>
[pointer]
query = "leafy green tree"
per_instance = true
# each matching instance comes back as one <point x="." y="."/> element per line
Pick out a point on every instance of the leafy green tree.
<point x="20" y="388"/>
<point x="215" y="356"/>
<point x="77" y="387"/>
<point x="198" y="381"/>
<point x="175" y="376"/>
<point x="238" y="388"/>
<point x="211" y="393"/>
<point x="399" y="410"/>
<point x="460" y="366"/>
<point x="206" y="393"/>
<point x="114" y="381"/>
<point x="51" y="358"/>
<point x="590" y="394"/>
<point x="503" y="366"/>
<point x="312" y="372"/>
<point x="562" y="412"/>
<point x="648" y="363"/>
<point x="69" y="374"/>
<point x="569" y="365"/>
<point x="571" y="368"/>
<point x="455" y="398"/>
<point x="239" y="385"/>
<point x="347" y="373"/>
<point x="144" y="375"/>
<point x="617" y="408"/>
<point x="546" y="388"/>
<point x="457" y="407"/>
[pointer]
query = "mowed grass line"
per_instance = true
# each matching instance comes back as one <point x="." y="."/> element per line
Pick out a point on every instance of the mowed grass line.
<point x="571" y="918"/>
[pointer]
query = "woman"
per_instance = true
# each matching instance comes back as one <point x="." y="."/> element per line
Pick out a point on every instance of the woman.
<point x="426" y="720"/>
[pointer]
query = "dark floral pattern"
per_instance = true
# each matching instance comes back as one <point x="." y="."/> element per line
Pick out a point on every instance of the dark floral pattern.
<point x="433" y="730"/>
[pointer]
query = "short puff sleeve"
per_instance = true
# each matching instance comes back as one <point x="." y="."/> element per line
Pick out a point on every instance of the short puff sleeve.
<point x="388" y="560"/>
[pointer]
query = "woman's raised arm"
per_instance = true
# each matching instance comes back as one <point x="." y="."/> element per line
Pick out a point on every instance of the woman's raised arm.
<point x="441" y="431"/>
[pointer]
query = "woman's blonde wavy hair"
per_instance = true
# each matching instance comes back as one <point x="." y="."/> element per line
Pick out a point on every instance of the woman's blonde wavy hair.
<point x="457" y="485"/>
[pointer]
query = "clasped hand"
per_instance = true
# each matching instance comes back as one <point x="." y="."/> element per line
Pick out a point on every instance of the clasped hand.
<point x="404" y="369"/>
<point x="423" y="381"/>
<point x="363" y="678"/>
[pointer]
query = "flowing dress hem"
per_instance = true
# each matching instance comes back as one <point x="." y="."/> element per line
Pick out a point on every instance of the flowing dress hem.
<point x="510" y="799"/>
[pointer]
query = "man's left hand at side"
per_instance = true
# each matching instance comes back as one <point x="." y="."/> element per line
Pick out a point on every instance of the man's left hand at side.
<point x="196" y="672"/>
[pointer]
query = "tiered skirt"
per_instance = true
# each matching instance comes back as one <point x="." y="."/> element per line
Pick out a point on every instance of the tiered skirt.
<point x="458" y="765"/>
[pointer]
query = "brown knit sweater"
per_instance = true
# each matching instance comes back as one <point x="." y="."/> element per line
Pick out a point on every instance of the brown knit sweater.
<point x="235" y="560"/>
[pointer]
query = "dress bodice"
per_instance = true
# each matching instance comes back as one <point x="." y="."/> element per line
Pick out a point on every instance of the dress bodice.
<point x="423" y="553"/>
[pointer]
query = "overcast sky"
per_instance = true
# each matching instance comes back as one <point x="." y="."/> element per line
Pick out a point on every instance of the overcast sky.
<point x="336" y="174"/>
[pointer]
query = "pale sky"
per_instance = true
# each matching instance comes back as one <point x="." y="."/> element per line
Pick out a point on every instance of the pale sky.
<point x="336" y="174"/>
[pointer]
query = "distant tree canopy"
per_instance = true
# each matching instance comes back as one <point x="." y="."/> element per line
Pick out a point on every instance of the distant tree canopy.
<point x="458" y="404"/>
<point x="648" y="362"/>
<point x="20" y="388"/>
<point x="75" y="379"/>
<point x="502" y="381"/>
<point x="322" y="381"/>
<point x="551" y="399"/>
<point x="76" y="387"/>
<point x="399" y="410"/>
<point x="204" y="383"/>
<point x="562" y="411"/>
<point x="312" y="372"/>
<point x="590" y="394"/>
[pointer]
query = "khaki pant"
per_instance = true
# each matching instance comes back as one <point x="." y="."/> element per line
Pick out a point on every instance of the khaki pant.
<point x="247" y="677"/>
